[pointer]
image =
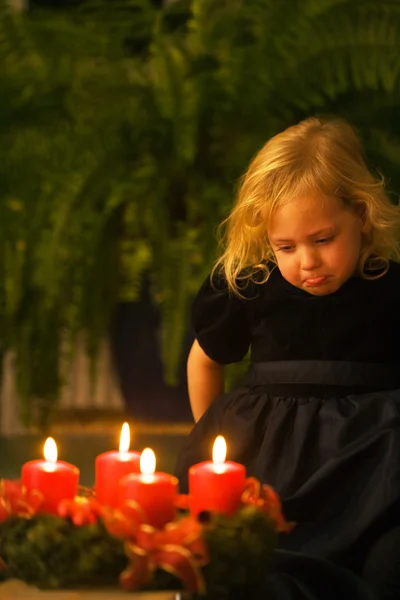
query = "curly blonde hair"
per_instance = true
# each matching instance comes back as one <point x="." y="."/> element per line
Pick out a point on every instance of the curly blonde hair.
<point x="319" y="155"/>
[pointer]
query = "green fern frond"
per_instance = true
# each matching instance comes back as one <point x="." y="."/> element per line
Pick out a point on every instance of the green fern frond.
<point x="122" y="139"/>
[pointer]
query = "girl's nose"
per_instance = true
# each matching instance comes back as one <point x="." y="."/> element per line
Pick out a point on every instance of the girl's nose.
<point x="309" y="258"/>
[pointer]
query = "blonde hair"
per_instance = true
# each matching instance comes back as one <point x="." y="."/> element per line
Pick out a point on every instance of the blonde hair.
<point x="319" y="155"/>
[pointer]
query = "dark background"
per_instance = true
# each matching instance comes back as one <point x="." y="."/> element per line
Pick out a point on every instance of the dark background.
<point x="138" y="363"/>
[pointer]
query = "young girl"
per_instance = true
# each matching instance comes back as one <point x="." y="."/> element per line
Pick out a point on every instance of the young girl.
<point x="309" y="281"/>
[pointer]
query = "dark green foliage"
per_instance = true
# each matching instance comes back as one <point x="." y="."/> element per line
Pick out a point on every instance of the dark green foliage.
<point x="50" y="552"/>
<point x="124" y="129"/>
<point x="247" y="535"/>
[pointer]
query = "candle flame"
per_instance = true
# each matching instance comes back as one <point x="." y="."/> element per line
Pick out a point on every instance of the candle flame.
<point x="219" y="451"/>
<point x="50" y="450"/>
<point x="147" y="462"/>
<point x="125" y="438"/>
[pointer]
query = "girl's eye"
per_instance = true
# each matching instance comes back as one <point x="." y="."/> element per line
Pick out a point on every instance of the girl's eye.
<point x="324" y="240"/>
<point x="286" y="248"/>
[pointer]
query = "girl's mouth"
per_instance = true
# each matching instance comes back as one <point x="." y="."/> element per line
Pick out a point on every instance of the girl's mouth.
<point x="314" y="281"/>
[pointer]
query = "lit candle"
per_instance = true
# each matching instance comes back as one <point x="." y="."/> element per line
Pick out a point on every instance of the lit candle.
<point x="216" y="485"/>
<point x="154" y="492"/>
<point x="55" y="479"/>
<point x="111" y="466"/>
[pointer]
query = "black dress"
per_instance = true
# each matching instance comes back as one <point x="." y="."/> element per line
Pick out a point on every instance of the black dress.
<point x="319" y="416"/>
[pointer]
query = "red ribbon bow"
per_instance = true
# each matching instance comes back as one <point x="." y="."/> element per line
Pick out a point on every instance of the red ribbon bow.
<point x="123" y="523"/>
<point x="179" y="549"/>
<point x="81" y="510"/>
<point x="266" y="499"/>
<point x="16" y="500"/>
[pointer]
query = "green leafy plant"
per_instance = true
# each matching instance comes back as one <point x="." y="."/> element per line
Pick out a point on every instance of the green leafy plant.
<point x="123" y="133"/>
<point x="50" y="552"/>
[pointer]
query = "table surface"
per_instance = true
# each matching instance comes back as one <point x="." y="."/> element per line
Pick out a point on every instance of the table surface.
<point x="18" y="590"/>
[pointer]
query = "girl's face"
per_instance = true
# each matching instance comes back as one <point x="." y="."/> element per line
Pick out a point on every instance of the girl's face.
<point x="317" y="242"/>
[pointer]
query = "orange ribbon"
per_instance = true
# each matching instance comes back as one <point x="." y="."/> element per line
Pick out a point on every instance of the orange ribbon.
<point x="178" y="549"/>
<point x="182" y="502"/>
<point x="81" y="510"/>
<point x="124" y="522"/>
<point x="16" y="500"/>
<point x="267" y="500"/>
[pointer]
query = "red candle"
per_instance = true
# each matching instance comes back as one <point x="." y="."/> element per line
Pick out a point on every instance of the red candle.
<point x="154" y="493"/>
<point x="216" y="485"/>
<point x="55" y="479"/>
<point x="111" y="466"/>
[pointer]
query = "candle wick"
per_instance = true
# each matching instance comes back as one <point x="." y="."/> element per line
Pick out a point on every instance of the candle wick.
<point x="49" y="466"/>
<point x="219" y="467"/>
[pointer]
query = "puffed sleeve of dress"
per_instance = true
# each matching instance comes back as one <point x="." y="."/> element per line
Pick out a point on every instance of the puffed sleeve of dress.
<point x="220" y="321"/>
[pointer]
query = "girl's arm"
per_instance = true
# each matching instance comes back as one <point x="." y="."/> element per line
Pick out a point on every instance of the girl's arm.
<point x="205" y="380"/>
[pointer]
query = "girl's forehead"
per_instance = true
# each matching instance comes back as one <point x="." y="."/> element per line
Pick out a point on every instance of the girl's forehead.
<point x="309" y="202"/>
<point x="306" y="213"/>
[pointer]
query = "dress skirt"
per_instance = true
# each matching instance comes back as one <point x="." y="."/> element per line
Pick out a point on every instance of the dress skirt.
<point x="333" y="459"/>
